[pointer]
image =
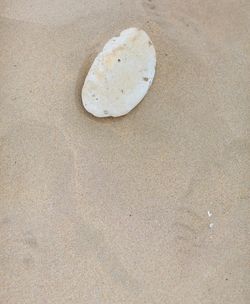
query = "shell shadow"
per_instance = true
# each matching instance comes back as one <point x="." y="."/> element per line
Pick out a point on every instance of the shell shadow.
<point x="79" y="84"/>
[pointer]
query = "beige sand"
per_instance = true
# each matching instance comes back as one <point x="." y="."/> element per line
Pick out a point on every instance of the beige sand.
<point x="149" y="208"/>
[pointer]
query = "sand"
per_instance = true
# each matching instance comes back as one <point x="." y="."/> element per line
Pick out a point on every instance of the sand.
<point x="149" y="208"/>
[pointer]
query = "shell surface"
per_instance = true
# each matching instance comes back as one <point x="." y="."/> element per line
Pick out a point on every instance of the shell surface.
<point x="120" y="75"/>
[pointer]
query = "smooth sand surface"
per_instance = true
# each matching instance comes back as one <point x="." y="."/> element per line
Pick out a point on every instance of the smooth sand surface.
<point x="150" y="208"/>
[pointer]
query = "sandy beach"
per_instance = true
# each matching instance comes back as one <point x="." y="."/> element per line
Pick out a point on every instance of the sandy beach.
<point x="149" y="208"/>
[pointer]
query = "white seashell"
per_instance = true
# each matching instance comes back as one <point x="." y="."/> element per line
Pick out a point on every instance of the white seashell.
<point x="121" y="75"/>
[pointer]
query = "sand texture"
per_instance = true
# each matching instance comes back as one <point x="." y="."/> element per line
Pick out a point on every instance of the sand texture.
<point x="150" y="208"/>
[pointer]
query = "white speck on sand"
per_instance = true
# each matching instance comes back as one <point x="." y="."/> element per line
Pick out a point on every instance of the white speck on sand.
<point x="209" y="213"/>
<point x="211" y="225"/>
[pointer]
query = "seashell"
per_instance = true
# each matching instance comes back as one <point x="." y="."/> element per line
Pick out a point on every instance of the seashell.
<point x="120" y="75"/>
